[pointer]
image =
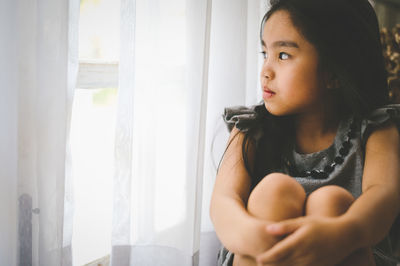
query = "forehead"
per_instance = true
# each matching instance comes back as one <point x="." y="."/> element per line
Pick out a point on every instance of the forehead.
<point x="279" y="27"/>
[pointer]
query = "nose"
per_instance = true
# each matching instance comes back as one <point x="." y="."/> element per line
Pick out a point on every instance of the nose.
<point x="267" y="71"/>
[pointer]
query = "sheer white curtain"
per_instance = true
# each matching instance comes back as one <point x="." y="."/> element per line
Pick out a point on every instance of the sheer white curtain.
<point x="8" y="136"/>
<point x="182" y="62"/>
<point x="38" y="70"/>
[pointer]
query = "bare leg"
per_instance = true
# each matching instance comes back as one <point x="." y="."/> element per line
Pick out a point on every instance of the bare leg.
<point x="334" y="201"/>
<point x="277" y="197"/>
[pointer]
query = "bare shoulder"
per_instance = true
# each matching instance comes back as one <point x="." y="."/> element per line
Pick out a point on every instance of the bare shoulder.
<point x="384" y="138"/>
<point x="382" y="157"/>
<point x="232" y="177"/>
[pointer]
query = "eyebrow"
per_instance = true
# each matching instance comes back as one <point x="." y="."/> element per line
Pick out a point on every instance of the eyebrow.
<point x="282" y="44"/>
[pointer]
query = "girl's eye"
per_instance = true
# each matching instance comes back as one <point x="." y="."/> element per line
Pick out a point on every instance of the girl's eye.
<point x="283" y="56"/>
<point x="264" y="54"/>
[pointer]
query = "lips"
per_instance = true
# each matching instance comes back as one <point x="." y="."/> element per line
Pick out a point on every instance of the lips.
<point x="267" y="93"/>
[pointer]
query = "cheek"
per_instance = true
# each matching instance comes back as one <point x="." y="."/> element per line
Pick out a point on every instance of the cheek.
<point x="301" y="84"/>
<point x="307" y="77"/>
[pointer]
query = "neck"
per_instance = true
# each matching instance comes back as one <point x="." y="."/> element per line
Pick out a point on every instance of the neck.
<point x="316" y="130"/>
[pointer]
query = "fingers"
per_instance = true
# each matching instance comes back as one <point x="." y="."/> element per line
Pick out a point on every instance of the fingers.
<point x="285" y="227"/>
<point x="281" y="251"/>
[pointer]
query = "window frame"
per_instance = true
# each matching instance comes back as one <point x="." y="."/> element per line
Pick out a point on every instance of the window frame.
<point x="94" y="74"/>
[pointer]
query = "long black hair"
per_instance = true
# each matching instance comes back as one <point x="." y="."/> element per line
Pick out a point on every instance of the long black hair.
<point x="346" y="36"/>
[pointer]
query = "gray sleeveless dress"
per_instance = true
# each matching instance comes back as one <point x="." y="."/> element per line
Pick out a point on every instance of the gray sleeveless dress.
<point x="345" y="171"/>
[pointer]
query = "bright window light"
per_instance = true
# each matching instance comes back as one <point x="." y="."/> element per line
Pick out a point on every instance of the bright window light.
<point x="93" y="129"/>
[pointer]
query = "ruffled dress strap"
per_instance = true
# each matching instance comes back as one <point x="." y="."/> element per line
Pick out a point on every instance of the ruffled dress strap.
<point x="241" y="117"/>
<point x="377" y="118"/>
<point x="249" y="120"/>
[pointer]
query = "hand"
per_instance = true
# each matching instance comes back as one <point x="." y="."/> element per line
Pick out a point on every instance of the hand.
<point x="309" y="241"/>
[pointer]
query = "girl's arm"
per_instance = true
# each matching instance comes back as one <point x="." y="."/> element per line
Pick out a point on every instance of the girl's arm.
<point x="378" y="206"/>
<point x="238" y="231"/>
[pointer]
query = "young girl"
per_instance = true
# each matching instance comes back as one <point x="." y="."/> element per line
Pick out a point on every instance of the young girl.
<point x="312" y="175"/>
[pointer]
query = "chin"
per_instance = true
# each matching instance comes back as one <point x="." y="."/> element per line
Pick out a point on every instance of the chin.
<point x="276" y="111"/>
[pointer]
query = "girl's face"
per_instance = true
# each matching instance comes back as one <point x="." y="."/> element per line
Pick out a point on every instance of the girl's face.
<point x="290" y="76"/>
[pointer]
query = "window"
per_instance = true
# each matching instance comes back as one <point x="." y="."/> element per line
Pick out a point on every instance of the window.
<point x="92" y="128"/>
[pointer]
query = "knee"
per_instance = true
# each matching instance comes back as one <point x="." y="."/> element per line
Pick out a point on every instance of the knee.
<point x="276" y="186"/>
<point x="329" y="201"/>
<point x="277" y="191"/>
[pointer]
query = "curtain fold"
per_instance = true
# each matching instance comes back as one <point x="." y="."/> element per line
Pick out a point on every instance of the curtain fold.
<point x="8" y="135"/>
<point x="181" y="62"/>
<point x="121" y="231"/>
<point x="44" y="66"/>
